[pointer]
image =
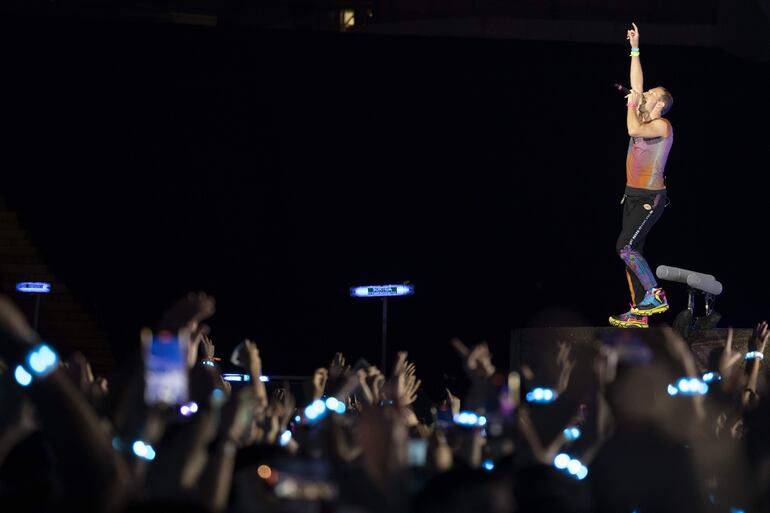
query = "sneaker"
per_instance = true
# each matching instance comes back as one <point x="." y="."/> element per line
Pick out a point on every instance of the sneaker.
<point x="629" y="320"/>
<point x="654" y="303"/>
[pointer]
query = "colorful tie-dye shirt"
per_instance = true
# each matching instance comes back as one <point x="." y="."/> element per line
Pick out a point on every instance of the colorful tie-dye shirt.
<point x="646" y="161"/>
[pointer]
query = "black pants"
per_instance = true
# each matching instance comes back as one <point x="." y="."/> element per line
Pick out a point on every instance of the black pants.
<point x="641" y="210"/>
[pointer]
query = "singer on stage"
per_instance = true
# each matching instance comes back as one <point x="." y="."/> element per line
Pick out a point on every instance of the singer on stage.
<point x="645" y="194"/>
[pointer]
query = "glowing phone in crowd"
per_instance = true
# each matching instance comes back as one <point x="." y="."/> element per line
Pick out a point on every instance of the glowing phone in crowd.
<point x="165" y="367"/>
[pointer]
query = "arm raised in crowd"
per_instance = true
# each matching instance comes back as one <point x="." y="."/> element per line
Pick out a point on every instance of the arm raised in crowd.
<point x="95" y="477"/>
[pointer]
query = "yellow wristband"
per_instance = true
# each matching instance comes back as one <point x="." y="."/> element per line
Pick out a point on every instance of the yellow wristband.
<point x="634" y="54"/>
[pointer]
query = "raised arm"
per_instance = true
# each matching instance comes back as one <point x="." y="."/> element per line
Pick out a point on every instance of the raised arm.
<point x="94" y="478"/>
<point x="637" y="79"/>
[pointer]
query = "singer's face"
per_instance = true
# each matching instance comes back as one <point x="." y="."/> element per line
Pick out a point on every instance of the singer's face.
<point x="650" y="99"/>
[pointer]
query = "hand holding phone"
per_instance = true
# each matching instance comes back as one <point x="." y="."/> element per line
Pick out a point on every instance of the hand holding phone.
<point x="165" y="367"/>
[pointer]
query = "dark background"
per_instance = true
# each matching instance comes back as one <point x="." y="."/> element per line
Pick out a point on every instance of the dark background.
<point x="276" y="169"/>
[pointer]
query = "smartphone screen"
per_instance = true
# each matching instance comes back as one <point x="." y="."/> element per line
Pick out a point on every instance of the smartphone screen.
<point x="417" y="450"/>
<point x="165" y="364"/>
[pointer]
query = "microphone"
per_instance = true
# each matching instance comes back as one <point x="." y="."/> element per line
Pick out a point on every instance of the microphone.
<point x="621" y="88"/>
<point x="704" y="282"/>
<point x="665" y="272"/>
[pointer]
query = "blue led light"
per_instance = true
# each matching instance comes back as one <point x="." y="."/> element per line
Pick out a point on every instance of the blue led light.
<point x="297" y="419"/>
<point x="22" y="377"/>
<point x="210" y="363"/>
<point x="230" y="376"/>
<point x="737" y="510"/>
<point x="143" y="450"/>
<point x="711" y="376"/>
<point x="285" y="438"/>
<point x="34" y="287"/>
<point x="189" y="409"/>
<point x="688" y="386"/>
<point x="382" y="290"/>
<point x="572" y="433"/>
<point x="335" y="405"/>
<point x="754" y="355"/>
<point x="315" y="410"/>
<point x="488" y="465"/>
<point x="263" y="379"/>
<point x="561" y="461"/>
<point x="572" y="466"/>
<point x="217" y="397"/>
<point x="541" y="395"/>
<point x="42" y="359"/>
<point x="466" y="418"/>
<point x="469" y="419"/>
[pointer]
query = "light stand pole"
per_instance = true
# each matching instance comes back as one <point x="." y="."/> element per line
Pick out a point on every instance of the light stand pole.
<point x="38" y="288"/>
<point x="384" y="292"/>
<point x="384" y="349"/>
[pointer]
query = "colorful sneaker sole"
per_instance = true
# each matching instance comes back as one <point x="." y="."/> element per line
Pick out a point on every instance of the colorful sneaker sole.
<point x="652" y="311"/>
<point x="618" y="323"/>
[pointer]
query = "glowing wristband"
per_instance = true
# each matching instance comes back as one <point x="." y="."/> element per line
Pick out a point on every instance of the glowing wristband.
<point x="572" y="433"/>
<point x="541" y="395"/>
<point x="635" y="50"/>
<point x="188" y="409"/>
<point x="143" y="450"/>
<point x="469" y="419"/>
<point x="318" y="409"/>
<point x="755" y="355"/>
<point x="711" y="376"/>
<point x="208" y="362"/>
<point x="634" y="54"/>
<point x="41" y="361"/>
<point x="688" y="386"/>
<point x="572" y="466"/>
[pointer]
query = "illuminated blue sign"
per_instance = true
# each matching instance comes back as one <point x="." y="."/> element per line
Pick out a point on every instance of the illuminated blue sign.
<point x="34" y="287"/>
<point x="382" y="290"/>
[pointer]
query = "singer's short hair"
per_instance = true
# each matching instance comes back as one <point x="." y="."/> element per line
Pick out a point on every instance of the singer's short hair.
<point x="667" y="99"/>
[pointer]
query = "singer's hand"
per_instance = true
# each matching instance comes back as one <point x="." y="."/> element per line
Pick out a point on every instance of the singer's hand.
<point x="634" y="97"/>
<point x="633" y="36"/>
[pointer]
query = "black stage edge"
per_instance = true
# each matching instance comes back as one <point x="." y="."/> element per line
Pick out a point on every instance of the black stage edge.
<point x="538" y="347"/>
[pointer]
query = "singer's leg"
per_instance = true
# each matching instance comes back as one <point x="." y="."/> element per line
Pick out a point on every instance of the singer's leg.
<point x="643" y="213"/>
<point x="640" y="213"/>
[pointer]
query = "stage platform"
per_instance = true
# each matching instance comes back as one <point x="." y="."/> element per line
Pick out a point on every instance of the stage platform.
<point x="539" y="346"/>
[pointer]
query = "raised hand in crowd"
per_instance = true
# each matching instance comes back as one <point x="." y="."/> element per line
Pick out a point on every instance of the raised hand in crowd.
<point x="94" y="475"/>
